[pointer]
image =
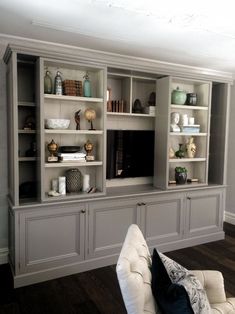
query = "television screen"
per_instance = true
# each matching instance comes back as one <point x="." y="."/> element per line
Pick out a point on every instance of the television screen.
<point x="130" y="153"/>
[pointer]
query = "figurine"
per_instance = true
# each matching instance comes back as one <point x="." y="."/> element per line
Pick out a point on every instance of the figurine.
<point x="90" y="115"/>
<point x="175" y="118"/>
<point x="88" y="148"/>
<point x="191" y="148"/>
<point x="77" y="119"/>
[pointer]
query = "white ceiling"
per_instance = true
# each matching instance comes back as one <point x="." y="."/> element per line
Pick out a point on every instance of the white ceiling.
<point x="198" y="33"/>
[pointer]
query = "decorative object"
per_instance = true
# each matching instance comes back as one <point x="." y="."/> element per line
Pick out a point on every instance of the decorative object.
<point x="90" y="115"/>
<point x="181" y="276"/>
<point x="190" y="128"/>
<point x="58" y="84"/>
<point x="86" y="86"/>
<point x="32" y="151"/>
<point x="180" y="152"/>
<point x="53" y="148"/>
<point x="152" y="99"/>
<point x="29" y="123"/>
<point x="73" y="180"/>
<point x="88" y="148"/>
<point x="137" y="106"/>
<point x="28" y="189"/>
<point x="60" y="124"/>
<point x="171" y="152"/>
<point x="69" y="149"/>
<point x="72" y="88"/>
<point x="62" y="185"/>
<point x="86" y="183"/>
<point x="191" y="120"/>
<point x="55" y="185"/>
<point x="191" y="99"/>
<point x="48" y="83"/>
<point x="180" y="175"/>
<point x="77" y="119"/>
<point x="184" y="119"/>
<point x="175" y="118"/>
<point x="178" y="97"/>
<point x="191" y="148"/>
<point x="171" y="297"/>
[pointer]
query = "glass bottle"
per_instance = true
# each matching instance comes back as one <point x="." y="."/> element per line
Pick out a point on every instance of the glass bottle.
<point x="58" y="83"/>
<point x="86" y="86"/>
<point x="47" y="83"/>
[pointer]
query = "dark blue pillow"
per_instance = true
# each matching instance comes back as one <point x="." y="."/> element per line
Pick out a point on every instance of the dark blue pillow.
<point x="170" y="297"/>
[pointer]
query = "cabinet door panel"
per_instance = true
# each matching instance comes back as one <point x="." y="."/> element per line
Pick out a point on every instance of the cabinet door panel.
<point x="204" y="212"/>
<point x="51" y="238"/>
<point x="163" y="219"/>
<point x="108" y="224"/>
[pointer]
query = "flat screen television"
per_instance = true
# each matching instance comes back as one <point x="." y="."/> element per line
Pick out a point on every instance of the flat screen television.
<point x="130" y="153"/>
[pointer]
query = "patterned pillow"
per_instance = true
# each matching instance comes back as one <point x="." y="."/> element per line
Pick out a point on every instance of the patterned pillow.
<point x="192" y="285"/>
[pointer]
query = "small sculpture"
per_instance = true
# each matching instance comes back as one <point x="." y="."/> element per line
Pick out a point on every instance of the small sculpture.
<point x="53" y="148"/>
<point x="175" y="118"/>
<point x="191" y="148"/>
<point x="88" y="148"/>
<point x="90" y="115"/>
<point x="77" y="119"/>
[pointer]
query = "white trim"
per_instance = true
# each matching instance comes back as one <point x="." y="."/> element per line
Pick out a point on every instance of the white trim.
<point x="229" y="217"/>
<point x="3" y="255"/>
<point x="110" y="59"/>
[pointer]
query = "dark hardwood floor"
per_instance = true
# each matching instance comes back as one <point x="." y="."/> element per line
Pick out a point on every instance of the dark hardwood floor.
<point x="97" y="291"/>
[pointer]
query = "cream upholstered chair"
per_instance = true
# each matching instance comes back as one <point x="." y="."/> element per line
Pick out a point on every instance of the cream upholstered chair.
<point x="134" y="276"/>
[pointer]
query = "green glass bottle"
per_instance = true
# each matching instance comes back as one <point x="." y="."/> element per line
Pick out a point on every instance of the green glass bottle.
<point x="48" y="83"/>
<point x="86" y="86"/>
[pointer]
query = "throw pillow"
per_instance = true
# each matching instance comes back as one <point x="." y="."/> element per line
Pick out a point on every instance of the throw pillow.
<point x="182" y="276"/>
<point x="171" y="298"/>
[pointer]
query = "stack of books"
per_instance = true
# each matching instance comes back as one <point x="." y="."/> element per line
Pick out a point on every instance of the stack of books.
<point x="192" y="128"/>
<point x="72" y="157"/>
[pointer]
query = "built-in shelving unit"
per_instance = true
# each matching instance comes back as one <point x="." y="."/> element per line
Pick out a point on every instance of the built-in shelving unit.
<point x="64" y="107"/>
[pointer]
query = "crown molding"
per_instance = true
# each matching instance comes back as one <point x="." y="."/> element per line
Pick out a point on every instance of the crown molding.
<point x="79" y="54"/>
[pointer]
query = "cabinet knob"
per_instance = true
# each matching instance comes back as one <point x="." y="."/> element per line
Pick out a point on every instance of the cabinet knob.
<point x="188" y="198"/>
<point x="83" y="211"/>
<point x="139" y="204"/>
<point x="143" y="204"/>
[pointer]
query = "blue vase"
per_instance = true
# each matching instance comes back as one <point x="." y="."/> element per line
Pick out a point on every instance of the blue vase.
<point x="87" y="86"/>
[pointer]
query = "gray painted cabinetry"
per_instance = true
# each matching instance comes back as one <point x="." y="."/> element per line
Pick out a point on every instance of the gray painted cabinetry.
<point x="57" y="236"/>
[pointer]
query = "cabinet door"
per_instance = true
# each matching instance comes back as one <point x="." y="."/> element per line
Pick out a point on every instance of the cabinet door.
<point x="51" y="237"/>
<point x="162" y="219"/>
<point x="204" y="212"/>
<point x="108" y="224"/>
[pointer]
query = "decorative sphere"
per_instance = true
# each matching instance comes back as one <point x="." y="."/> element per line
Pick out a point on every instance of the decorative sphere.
<point x="90" y="114"/>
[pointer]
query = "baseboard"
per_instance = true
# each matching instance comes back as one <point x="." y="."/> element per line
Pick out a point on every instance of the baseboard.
<point x="229" y="217"/>
<point x="3" y="256"/>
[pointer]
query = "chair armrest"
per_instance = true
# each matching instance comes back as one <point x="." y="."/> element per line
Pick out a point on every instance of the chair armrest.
<point x="213" y="283"/>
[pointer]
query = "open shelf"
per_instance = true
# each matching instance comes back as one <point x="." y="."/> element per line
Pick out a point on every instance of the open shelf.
<point x="73" y="98"/>
<point x="67" y="164"/>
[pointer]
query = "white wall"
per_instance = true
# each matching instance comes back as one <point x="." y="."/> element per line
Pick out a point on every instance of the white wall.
<point x="3" y="166"/>
<point x="230" y="202"/>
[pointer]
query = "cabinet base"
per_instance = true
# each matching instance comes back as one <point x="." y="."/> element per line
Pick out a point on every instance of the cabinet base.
<point x="57" y="272"/>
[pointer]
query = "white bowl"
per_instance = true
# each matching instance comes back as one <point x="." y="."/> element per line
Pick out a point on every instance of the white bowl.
<point x="57" y="123"/>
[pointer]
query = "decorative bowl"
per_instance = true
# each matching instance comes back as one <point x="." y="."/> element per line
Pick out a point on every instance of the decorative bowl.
<point x="57" y="123"/>
<point x="69" y="149"/>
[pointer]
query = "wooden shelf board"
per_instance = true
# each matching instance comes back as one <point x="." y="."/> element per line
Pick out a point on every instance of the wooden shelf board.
<point x="56" y="131"/>
<point x="26" y="104"/>
<point x="187" y="134"/>
<point x="185" y="186"/>
<point x="27" y="158"/>
<point x="73" y="98"/>
<point x="187" y="107"/>
<point x="73" y="195"/>
<point x="26" y="131"/>
<point x="178" y="160"/>
<point x="73" y="164"/>
<point x="144" y="115"/>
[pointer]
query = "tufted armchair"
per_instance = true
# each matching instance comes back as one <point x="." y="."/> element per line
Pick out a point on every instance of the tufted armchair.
<point x="134" y="276"/>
